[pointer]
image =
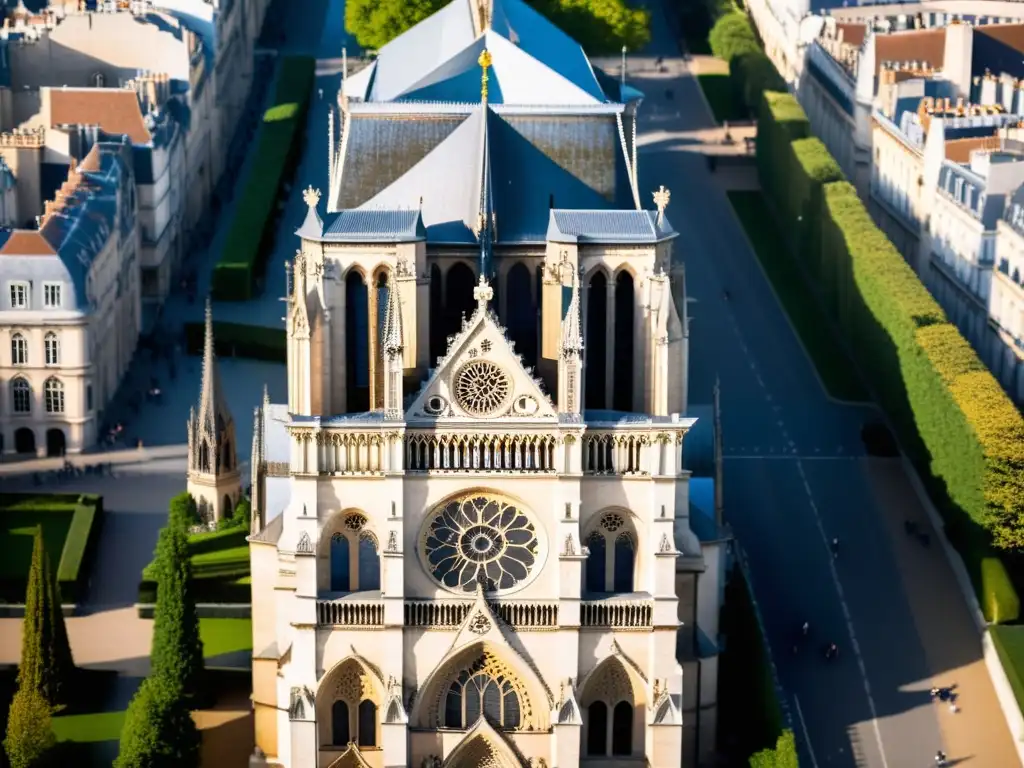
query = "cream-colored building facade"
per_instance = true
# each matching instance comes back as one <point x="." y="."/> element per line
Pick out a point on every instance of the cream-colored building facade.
<point x="70" y="309"/>
<point x="1006" y="302"/>
<point x="484" y="556"/>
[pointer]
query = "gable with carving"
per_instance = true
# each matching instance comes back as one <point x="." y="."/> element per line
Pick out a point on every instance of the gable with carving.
<point x="481" y="378"/>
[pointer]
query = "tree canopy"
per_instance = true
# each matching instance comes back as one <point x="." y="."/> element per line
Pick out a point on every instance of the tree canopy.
<point x="600" y="26"/>
<point x="47" y="665"/>
<point x="30" y="740"/>
<point x="177" y="648"/>
<point x="158" y="729"/>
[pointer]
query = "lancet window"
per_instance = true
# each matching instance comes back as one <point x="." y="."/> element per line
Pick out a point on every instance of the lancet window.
<point x="611" y="562"/>
<point x="354" y="710"/>
<point x="483" y="692"/>
<point x="480" y="453"/>
<point x="609" y="704"/>
<point x="354" y="557"/>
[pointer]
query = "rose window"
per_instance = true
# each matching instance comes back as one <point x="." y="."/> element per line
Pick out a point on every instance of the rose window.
<point x="481" y="387"/>
<point x="480" y="538"/>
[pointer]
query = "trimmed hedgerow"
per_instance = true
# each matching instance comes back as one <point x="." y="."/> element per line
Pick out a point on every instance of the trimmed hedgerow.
<point x="781" y="121"/>
<point x="752" y="73"/>
<point x="801" y="205"/>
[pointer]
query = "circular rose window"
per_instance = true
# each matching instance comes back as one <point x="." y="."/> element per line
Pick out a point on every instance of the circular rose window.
<point x="479" y="538"/>
<point x="482" y="388"/>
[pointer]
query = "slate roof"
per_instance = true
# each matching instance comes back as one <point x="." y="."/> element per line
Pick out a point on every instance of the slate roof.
<point x="115" y="110"/>
<point x="533" y="62"/>
<point x="607" y="227"/>
<point x="73" y="235"/>
<point x="370" y="225"/>
<point x="535" y="161"/>
<point x="970" y="193"/>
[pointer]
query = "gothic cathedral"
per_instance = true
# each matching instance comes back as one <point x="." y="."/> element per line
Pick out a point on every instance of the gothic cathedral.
<point x="471" y="519"/>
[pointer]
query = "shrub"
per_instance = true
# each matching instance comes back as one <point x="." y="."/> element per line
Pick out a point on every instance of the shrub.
<point x="239" y="519"/>
<point x="177" y="655"/>
<point x="30" y="740"/>
<point x="1001" y="603"/>
<point x="47" y="666"/>
<point x="733" y="35"/>
<point x="253" y="342"/>
<point x="752" y="74"/>
<point x="781" y="120"/>
<point x="158" y="730"/>
<point x="783" y="756"/>
<point x="182" y="512"/>
<point x="801" y="208"/>
<point x="80" y="547"/>
<point x="602" y="27"/>
<point x="245" y="250"/>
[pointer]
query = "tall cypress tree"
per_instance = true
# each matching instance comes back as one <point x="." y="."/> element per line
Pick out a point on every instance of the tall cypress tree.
<point x="47" y="665"/>
<point x="177" y="655"/>
<point x="158" y="731"/>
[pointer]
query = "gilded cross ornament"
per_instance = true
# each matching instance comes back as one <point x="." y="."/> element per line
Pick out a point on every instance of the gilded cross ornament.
<point x="485" y="63"/>
<point x="311" y="196"/>
<point x="661" y="198"/>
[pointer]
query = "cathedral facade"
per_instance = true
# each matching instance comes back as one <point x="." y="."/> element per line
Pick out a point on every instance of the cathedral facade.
<point x="471" y="520"/>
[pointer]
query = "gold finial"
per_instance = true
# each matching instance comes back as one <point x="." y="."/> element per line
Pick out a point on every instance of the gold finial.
<point x="483" y="293"/>
<point x="485" y="63"/>
<point x="661" y="198"/>
<point x="311" y="196"/>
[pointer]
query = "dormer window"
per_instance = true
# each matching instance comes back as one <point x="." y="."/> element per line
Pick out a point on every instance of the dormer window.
<point x="52" y="295"/>
<point x="98" y="80"/>
<point x="19" y="295"/>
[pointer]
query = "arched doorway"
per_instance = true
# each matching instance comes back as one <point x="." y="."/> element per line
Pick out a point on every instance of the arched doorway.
<point x="458" y="292"/>
<point x="597" y="324"/>
<point x="24" y="441"/>
<point x="437" y="345"/>
<point x="622" y="399"/>
<point x="520" y="313"/>
<point x="357" y="342"/>
<point x="55" y="442"/>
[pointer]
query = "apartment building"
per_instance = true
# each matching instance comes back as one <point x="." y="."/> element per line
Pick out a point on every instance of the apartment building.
<point x="1006" y="300"/>
<point x="70" y="308"/>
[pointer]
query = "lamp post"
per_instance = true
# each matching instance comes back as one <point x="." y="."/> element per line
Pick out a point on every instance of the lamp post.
<point x="623" y="68"/>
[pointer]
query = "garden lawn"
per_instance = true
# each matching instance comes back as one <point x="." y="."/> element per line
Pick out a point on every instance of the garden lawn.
<point x="222" y="636"/>
<point x="1008" y="640"/>
<point x="17" y="536"/>
<point x="721" y="97"/>
<point x="837" y="373"/>
<point x="87" y="728"/>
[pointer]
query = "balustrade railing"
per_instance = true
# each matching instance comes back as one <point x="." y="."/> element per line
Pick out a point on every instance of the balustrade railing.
<point x="607" y="452"/>
<point x="343" y="453"/>
<point x="440" y="614"/>
<point x="617" y="614"/>
<point x="341" y="613"/>
<point x="479" y="453"/>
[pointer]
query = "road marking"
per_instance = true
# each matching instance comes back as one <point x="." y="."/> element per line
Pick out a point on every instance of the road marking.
<point x="803" y="727"/>
<point x="846" y="612"/>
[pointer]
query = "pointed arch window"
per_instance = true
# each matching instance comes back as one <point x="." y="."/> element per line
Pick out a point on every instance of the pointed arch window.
<point x="51" y="345"/>
<point x="367" y="723"/>
<point x="476" y="693"/>
<point x="53" y="390"/>
<point x="622" y="729"/>
<point x="597" y="729"/>
<point x="21" y="394"/>
<point x="19" y="350"/>
<point x="340" y="735"/>
<point x="611" y="562"/>
<point x="354" y="557"/>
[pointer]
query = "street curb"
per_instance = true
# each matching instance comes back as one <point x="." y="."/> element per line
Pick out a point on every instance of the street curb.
<point x="997" y="674"/>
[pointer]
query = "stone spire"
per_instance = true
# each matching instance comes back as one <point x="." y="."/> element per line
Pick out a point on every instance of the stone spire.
<point x="393" y="334"/>
<point x="572" y="332"/>
<point x="213" y="478"/>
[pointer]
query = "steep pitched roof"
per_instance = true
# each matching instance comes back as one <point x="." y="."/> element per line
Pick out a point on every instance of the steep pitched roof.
<point x="115" y="110"/>
<point x="27" y="242"/>
<point x="534" y="61"/>
<point x="926" y="46"/>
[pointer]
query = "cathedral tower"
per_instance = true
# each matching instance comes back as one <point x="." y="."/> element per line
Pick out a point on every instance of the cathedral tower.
<point x="213" y="478"/>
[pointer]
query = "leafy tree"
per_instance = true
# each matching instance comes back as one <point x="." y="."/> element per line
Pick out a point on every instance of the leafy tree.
<point x="47" y="665"/>
<point x="783" y="756"/>
<point x="177" y="648"/>
<point x="183" y="511"/>
<point x="239" y="518"/>
<point x="374" y="23"/>
<point x="158" y="729"/>
<point x="600" y="26"/>
<point x="30" y="740"/>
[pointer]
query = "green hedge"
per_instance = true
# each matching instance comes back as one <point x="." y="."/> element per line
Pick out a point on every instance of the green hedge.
<point x="1009" y="645"/>
<point x="734" y="40"/>
<point x="954" y="420"/>
<point x="277" y="147"/>
<point x="253" y="342"/>
<point x="800" y="202"/>
<point x="220" y="568"/>
<point x="80" y="541"/>
<point x="781" y="120"/>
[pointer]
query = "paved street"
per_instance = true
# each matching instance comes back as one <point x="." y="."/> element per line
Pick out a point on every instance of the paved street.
<point x="796" y="476"/>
